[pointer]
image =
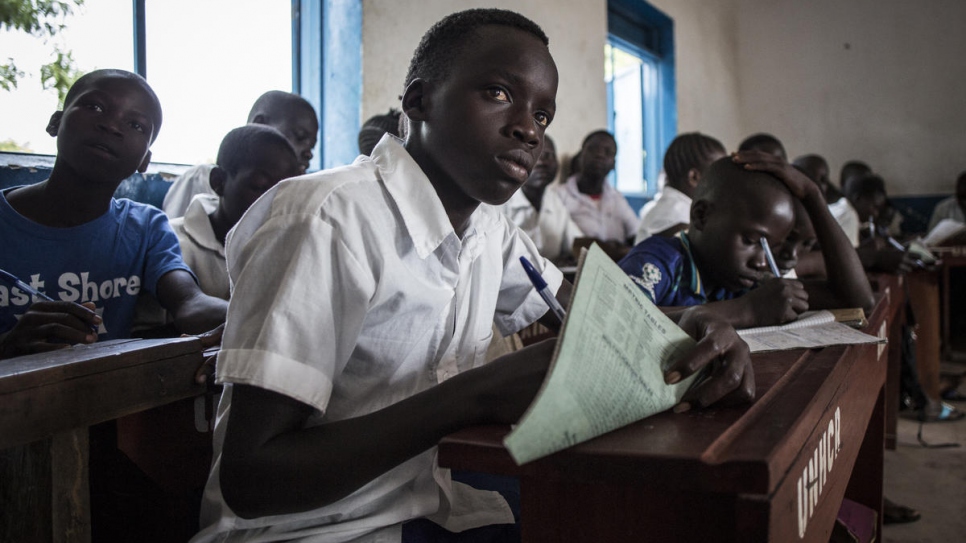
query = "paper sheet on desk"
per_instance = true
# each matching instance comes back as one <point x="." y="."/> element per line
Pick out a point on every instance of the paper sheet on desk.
<point x="607" y="370"/>
<point x="814" y="329"/>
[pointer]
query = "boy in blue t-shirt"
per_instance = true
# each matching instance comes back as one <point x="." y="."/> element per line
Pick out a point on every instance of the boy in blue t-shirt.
<point x="68" y="238"/>
<point x="720" y="262"/>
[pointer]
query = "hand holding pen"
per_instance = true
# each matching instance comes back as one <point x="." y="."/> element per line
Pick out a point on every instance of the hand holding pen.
<point x="48" y="324"/>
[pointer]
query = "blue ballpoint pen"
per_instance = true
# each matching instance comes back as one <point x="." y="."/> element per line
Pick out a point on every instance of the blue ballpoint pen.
<point x="14" y="281"/>
<point x="769" y="257"/>
<point x="542" y="289"/>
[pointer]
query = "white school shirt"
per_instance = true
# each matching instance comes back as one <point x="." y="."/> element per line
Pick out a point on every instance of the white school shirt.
<point x="847" y="217"/>
<point x="608" y="218"/>
<point x="185" y="187"/>
<point x="948" y="208"/>
<point x="200" y="248"/>
<point x="551" y="229"/>
<point x="669" y="208"/>
<point x="351" y="292"/>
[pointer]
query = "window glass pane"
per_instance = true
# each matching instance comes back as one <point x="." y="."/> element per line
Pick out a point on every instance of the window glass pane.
<point x="208" y="60"/>
<point x="625" y="74"/>
<point x="99" y="35"/>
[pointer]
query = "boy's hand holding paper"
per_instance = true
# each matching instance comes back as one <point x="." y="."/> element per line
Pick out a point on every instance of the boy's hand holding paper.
<point x="614" y="358"/>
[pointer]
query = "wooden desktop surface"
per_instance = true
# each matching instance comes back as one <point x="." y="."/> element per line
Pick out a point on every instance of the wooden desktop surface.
<point x="776" y="470"/>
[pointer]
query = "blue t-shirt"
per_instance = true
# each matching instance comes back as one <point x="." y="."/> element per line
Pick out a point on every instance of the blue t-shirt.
<point x="108" y="261"/>
<point x="664" y="269"/>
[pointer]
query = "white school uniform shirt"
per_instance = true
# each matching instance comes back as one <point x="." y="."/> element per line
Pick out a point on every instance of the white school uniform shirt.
<point x="608" y="218"/>
<point x="848" y="219"/>
<point x="948" y="208"/>
<point x="200" y="248"/>
<point x="670" y="207"/>
<point x="184" y="188"/>
<point x="551" y="229"/>
<point x="351" y="292"/>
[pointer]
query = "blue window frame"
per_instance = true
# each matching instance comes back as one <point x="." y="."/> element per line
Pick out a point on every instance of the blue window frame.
<point x="641" y="97"/>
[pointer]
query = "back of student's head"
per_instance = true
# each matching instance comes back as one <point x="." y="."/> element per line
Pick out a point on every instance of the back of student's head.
<point x="90" y="78"/>
<point x="446" y="40"/>
<point x="240" y="147"/>
<point x="375" y="127"/>
<point x="765" y="143"/>
<point x="688" y="156"/>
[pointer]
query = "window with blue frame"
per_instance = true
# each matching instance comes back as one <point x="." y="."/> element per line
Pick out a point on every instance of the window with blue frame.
<point x="208" y="61"/>
<point x="639" y="72"/>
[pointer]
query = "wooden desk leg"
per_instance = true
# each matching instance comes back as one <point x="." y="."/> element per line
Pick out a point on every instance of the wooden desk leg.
<point x="865" y="485"/>
<point x="44" y="490"/>
<point x="893" y="371"/>
<point x="924" y="297"/>
<point x="946" y="347"/>
<point x="70" y="487"/>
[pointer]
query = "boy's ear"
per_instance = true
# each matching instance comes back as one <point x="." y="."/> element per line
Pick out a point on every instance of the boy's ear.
<point x="415" y="99"/>
<point x="53" y="126"/>
<point x="700" y="211"/>
<point x="217" y="179"/>
<point x="143" y="167"/>
<point x="694" y="176"/>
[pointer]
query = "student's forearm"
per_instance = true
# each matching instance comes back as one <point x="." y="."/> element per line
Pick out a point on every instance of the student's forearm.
<point x="200" y="314"/>
<point x="323" y="464"/>
<point x="844" y="269"/>
<point x="811" y="265"/>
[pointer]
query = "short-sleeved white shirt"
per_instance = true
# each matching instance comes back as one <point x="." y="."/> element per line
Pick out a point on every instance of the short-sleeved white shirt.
<point x="669" y="208"/>
<point x="609" y="217"/>
<point x="551" y="229"/>
<point x="200" y="248"/>
<point x="351" y="292"/>
<point x="194" y="181"/>
<point x="844" y="214"/>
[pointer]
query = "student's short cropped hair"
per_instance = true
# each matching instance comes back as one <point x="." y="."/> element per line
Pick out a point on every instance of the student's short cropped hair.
<point x="276" y="104"/>
<point x="596" y="133"/>
<point x="760" y="142"/>
<point x="726" y="179"/>
<point x="375" y="127"/>
<point x="87" y="79"/>
<point x="446" y="39"/>
<point x="238" y="148"/>
<point x="688" y="151"/>
<point x="866" y="186"/>
<point x="853" y="168"/>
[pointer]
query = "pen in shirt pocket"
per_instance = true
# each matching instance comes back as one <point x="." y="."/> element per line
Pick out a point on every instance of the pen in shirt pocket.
<point x="14" y="281"/>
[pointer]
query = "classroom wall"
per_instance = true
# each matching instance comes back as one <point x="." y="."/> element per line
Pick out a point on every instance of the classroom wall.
<point x="706" y="66"/>
<point x="881" y="81"/>
<point x="577" y="30"/>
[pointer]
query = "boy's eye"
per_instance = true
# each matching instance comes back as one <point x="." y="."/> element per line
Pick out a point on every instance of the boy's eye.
<point x="499" y="94"/>
<point x="137" y="126"/>
<point x="542" y="119"/>
<point x="94" y="107"/>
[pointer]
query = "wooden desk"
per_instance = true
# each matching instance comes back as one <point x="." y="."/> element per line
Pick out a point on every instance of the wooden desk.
<point x="951" y="257"/>
<point x="47" y="402"/>
<point x="773" y="471"/>
<point x="892" y="288"/>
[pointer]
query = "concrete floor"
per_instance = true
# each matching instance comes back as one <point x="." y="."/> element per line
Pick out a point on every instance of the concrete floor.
<point x="930" y="480"/>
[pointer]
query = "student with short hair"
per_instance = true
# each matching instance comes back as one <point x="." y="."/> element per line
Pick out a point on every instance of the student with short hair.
<point x="373" y="129"/>
<point x="852" y="170"/>
<point x="70" y="239"/>
<point x="287" y="112"/>
<point x="684" y="162"/>
<point x="540" y="212"/>
<point x="954" y="207"/>
<point x="251" y="159"/>
<point x="719" y="262"/>
<point x="598" y="209"/>
<point x="816" y="168"/>
<point x="345" y="366"/>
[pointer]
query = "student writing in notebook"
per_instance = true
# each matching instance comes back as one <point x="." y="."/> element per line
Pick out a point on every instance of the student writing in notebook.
<point x="344" y="369"/>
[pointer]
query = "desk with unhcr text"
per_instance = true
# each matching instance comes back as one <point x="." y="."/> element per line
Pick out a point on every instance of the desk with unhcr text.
<point x="47" y="403"/>
<point x="776" y="470"/>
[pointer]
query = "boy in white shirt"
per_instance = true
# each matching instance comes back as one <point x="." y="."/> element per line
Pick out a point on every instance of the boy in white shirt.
<point x="251" y="159"/>
<point x="540" y="213"/>
<point x="363" y="302"/>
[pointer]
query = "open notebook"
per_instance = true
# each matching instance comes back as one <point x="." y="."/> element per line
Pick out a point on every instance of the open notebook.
<point x="812" y="329"/>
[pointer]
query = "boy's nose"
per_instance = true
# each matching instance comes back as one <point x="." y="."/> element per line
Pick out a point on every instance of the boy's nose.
<point x="524" y="127"/>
